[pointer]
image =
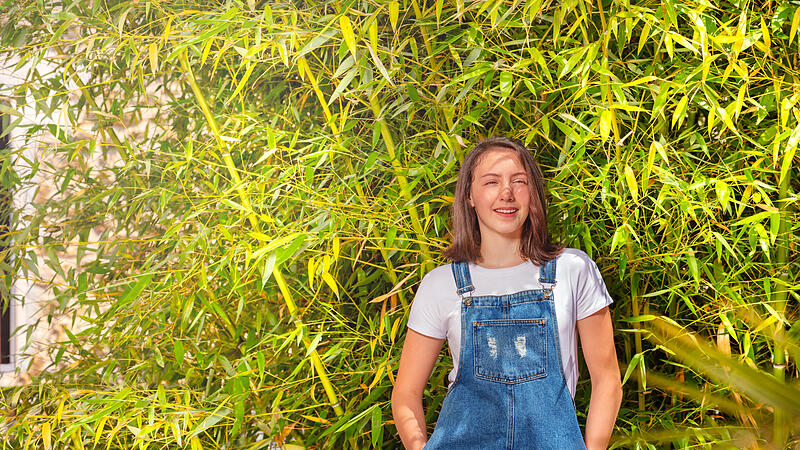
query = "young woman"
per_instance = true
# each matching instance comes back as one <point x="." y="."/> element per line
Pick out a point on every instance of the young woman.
<point x="509" y="306"/>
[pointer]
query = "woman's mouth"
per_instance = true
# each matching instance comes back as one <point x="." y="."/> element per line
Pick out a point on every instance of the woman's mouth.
<point x="506" y="212"/>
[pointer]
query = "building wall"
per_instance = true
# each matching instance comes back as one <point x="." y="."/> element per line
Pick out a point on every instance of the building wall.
<point x="32" y="297"/>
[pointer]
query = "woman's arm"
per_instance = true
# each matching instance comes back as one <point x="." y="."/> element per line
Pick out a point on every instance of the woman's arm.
<point x="597" y="341"/>
<point x="416" y="363"/>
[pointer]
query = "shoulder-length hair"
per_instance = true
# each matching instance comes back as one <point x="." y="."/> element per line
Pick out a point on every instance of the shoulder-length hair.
<point x="536" y="244"/>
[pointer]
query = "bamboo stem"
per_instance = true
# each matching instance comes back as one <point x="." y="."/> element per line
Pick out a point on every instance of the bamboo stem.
<point x="315" y="359"/>
<point x="402" y="182"/>
<point x="780" y="297"/>
<point x="226" y="156"/>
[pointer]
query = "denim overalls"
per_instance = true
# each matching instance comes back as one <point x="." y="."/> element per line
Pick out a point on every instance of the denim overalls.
<point x="510" y="391"/>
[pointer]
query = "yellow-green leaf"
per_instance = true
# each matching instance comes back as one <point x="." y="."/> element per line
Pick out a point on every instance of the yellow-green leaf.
<point x="642" y="80"/>
<point x="152" y="51"/>
<point x="788" y="156"/>
<point x="379" y="65"/>
<point x="668" y="43"/>
<point x="335" y="248"/>
<point x="328" y="279"/>
<point x="643" y="37"/>
<point x="765" y="33"/>
<point x="347" y="32"/>
<point x="677" y="115"/>
<point x="651" y="157"/>
<point x="373" y="35"/>
<point x="740" y="99"/>
<point x="98" y="431"/>
<point x="605" y="124"/>
<point x="394" y="13"/>
<point x="243" y="81"/>
<point x="631" y="179"/>
<point x="46" y="435"/>
<point x="311" y="267"/>
<point x="795" y="22"/>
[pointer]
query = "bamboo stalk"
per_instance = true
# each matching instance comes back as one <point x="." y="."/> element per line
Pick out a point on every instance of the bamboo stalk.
<point x="636" y="311"/>
<point x="226" y="156"/>
<point x="315" y="359"/>
<point x="780" y="296"/>
<point x="403" y="182"/>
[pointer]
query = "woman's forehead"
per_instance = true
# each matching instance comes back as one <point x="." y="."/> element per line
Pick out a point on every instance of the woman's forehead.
<point x="496" y="157"/>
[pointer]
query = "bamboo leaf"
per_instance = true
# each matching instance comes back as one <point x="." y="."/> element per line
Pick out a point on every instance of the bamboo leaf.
<point x="152" y="51"/>
<point x="795" y="23"/>
<point x="243" y="82"/>
<point x="379" y="65"/>
<point x="349" y="36"/>
<point x="635" y="361"/>
<point x="788" y="156"/>
<point x="209" y="421"/>
<point x="630" y="178"/>
<point x="680" y="110"/>
<point x="376" y="421"/>
<point x="328" y="279"/>
<point x="394" y="13"/>
<point x="605" y="124"/>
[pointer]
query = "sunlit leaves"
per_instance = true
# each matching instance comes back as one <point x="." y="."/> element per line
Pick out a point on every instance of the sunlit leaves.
<point x="294" y="177"/>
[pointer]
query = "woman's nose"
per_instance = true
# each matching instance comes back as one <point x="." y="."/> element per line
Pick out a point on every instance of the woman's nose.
<point x="507" y="192"/>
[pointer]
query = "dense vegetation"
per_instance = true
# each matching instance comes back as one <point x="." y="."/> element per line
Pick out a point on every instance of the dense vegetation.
<point x="259" y="241"/>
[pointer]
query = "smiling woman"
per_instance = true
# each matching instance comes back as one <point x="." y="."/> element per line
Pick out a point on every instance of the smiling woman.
<point x="500" y="195"/>
<point x="509" y="305"/>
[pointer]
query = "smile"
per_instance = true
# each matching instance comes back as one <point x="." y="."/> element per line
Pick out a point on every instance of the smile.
<point x="506" y="211"/>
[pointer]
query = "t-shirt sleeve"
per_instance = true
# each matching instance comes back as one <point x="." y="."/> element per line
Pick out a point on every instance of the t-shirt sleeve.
<point x="425" y="316"/>
<point x="590" y="289"/>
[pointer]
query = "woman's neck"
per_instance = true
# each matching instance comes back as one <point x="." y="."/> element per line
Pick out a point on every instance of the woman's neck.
<point x="499" y="252"/>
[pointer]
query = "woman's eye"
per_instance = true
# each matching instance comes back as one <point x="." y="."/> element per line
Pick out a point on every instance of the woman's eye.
<point x="491" y="182"/>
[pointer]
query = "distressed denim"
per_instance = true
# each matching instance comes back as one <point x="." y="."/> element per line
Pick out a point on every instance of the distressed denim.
<point x="510" y="392"/>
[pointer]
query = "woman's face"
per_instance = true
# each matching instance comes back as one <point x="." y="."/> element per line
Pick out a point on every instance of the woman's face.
<point x="499" y="194"/>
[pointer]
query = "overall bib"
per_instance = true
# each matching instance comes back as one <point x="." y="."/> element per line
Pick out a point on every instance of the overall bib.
<point x="510" y="392"/>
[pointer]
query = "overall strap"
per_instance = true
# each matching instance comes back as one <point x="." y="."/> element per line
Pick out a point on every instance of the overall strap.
<point x="463" y="280"/>
<point x="547" y="274"/>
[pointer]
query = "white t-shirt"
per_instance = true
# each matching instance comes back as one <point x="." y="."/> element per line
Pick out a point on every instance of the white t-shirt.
<point x="579" y="292"/>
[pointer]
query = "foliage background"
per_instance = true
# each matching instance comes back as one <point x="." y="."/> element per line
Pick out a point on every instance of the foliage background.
<point x="293" y="184"/>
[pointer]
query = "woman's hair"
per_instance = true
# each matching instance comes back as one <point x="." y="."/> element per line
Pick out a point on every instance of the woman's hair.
<point x="535" y="243"/>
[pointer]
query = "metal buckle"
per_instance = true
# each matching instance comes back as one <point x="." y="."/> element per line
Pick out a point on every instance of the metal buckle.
<point x="548" y="289"/>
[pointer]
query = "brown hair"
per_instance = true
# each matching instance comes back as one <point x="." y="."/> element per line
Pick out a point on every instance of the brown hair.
<point x="536" y="244"/>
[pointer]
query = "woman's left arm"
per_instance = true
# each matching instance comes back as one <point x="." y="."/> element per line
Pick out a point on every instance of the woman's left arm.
<point x="597" y="340"/>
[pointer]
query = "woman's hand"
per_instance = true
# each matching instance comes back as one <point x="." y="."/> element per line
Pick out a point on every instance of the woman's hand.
<point x="416" y="363"/>
<point x="597" y="341"/>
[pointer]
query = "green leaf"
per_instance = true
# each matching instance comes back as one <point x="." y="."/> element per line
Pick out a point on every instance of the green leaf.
<point x="631" y="366"/>
<point x="134" y="289"/>
<point x="377" y="430"/>
<point x="179" y="352"/>
<point x="209" y="421"/>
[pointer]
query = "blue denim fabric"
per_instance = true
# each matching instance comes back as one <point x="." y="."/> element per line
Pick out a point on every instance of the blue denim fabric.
<point x="510" y="392"/>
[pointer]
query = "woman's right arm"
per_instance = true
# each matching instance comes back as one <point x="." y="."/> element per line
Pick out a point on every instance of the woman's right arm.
<point x="416" y="364"/>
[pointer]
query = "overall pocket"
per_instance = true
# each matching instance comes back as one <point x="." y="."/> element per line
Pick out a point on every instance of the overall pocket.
<point x="510" y="351"/>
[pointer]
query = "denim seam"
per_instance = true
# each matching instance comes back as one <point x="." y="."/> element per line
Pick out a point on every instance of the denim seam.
<point x="510" y="429"/>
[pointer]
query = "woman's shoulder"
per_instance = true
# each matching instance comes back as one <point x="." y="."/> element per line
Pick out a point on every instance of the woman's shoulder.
<point x="575" y="259"/>
<point x="440" y="275"/>
<point x="437" y="281"/>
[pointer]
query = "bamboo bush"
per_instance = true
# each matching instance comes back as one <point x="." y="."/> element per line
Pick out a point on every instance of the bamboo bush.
<point x="290" y="183"/>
